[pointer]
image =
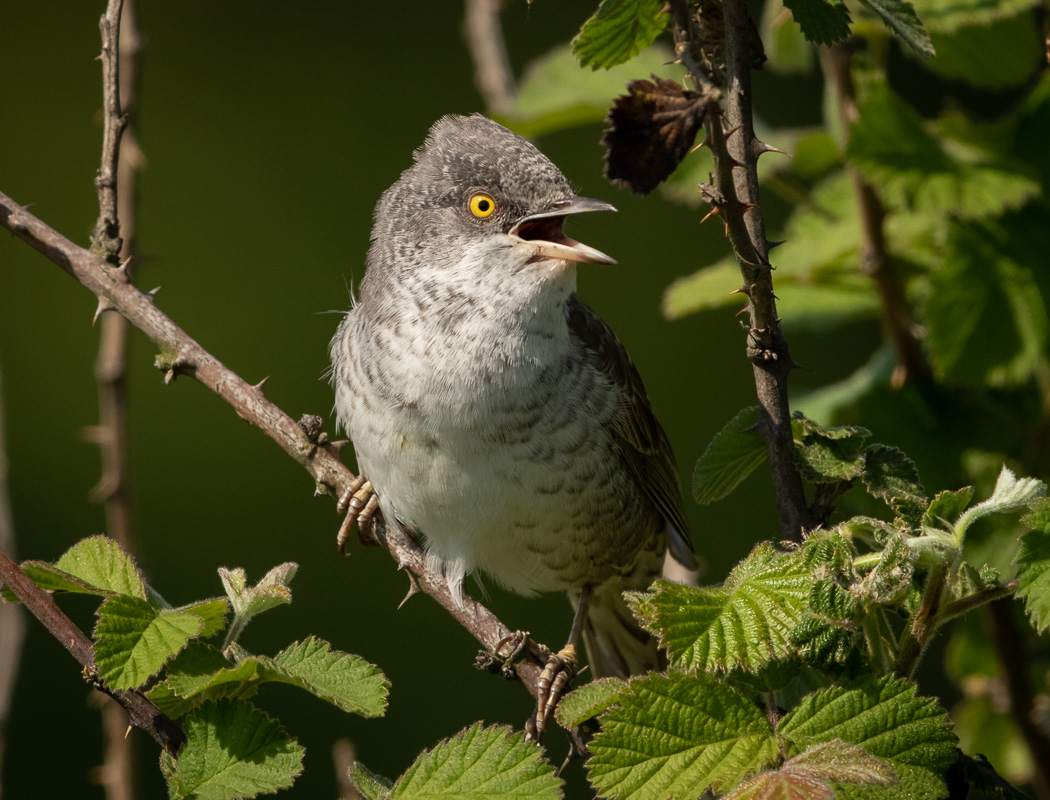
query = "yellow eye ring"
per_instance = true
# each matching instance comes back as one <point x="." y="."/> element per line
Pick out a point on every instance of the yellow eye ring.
<point x="482" y="205"/>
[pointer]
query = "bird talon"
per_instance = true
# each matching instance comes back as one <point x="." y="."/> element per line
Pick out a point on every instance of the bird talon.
<point x="359" y="502"/>
<point x="555" y="678"/>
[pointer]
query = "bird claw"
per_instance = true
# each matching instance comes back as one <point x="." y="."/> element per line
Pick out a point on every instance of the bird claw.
<point x="555" y="678"/>
<point x="360" y="503"/>
<point x="499" y="664"/>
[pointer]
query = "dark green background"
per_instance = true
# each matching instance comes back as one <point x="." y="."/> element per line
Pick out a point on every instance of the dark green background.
<point x="270" y="131"/>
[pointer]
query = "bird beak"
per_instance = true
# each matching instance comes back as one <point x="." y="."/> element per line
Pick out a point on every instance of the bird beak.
<point x="543" y="232"/>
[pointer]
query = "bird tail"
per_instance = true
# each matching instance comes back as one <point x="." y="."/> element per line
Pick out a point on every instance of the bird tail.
<point x="617" y="646"/>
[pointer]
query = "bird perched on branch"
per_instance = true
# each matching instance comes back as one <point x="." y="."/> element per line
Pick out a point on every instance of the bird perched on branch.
<point x="492" y="411"/>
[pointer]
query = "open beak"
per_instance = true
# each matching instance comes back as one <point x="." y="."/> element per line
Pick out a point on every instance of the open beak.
<point x="544" y="233"/>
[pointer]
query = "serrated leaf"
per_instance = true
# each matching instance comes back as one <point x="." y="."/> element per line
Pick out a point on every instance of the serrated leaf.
<point x="51" y="579"/>
<point x="233" y="750"/>
<point x="480" y="764"/>
<point x="270" y="592"/>
<point x="212" y="612"/>
<point x="1010" y="494"/>
<point x="99" y="562"/>
<point x="993" y="55"/>
<point x="946" y="16"/>
<point x="369" y="785"/>
<point x="133" y="640"/>
<point x="886" y="718"/>
<point x="822" y="21"/>
<point x="735" y="452"/>
<point x="786" y="47"/>
<point x="743" y="625"/>
<point x="194" y="668"/>
<point x="344" y="680"/>
<point x="945" y="508"/>
<point x="891" y="148"/>
<point x="555" y="94"/>
<point x="618" y="31"/>
<point x="900" y="17"/>
<point x="811" y="774"/>
<point x="1033" y="577"/>
<point x="678" y="735"/>
<point x="167" y="702"/>
<point x="588" y="701"/>
<point x="889" y="474"/>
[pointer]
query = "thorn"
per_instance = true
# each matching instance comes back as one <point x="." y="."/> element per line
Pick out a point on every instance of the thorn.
<point x="731" y="131"/>
<point x="336" y="447"/>
<point x="714" y="212"/>
<point x="127" y="732"/>
<point x="758" y="147"/>
<point x="773" y="245"/>
<point x="413" y="589"/>
<point x="122" y="268"/>
<point x="748" y="206"/>
<point x="665" y="10"/>
<point x="104" y="304"/>
<point x="151" y="295"/>
<point x="320" y="489"/>
<point x="169" y="376"/>
<point x="742" y="290"/>
<point x="258" y="387"/>
<point x="705" y="143"/>
<point x="741" y="311"/>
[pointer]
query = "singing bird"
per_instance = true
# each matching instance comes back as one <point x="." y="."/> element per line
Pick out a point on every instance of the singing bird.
<point x="495" y="415"/>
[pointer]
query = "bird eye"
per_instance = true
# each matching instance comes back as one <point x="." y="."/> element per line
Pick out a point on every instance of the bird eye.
<point x="482" y="205"/>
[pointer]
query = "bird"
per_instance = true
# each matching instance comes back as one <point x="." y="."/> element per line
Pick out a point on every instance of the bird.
<point x="494" y="414"/>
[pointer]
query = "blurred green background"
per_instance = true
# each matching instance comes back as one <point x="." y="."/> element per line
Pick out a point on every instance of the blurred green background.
<point x="270" y="131"/>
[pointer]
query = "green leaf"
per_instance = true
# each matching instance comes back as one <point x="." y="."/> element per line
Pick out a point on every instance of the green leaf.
<point x="270" y="592"/>
<point x="133" y="640"/>
<point x="900" y="17"/>
<point x="99" y="562"/>
<point x="993" y="55"/>
<point x="811" y="774"/>
<point x="212" y="612"/>
<point x="677" y="735"/>
<point x="829" y="455"/>
<point x="786" y="48"/>
<point x="588" y="701"/>
<point x="480" y="764"/>
<point x="889" y="474"/>
<point x="822" y="21"/>
<point x="169" y="704"/>
<point x="556" y="94"/>
<point x="369" y="785"/>
<point x="890" y="147"/>
<point x="51" y="579"/>
<point x="987" y="310"/>
<point x="884" y="716"/>
<point x="946" y="16"/>
<point x="744" y="625"/>
<point x="192" y="670"/>
<point x="736" y="451"/>
<point x="233" y="750"/>
<point x="344" y="680"/>
<point x="618" y="31"/>
<point x="1010" y="494"/>
<point x="946" y="507"/>
<point x="1033" y="577"/>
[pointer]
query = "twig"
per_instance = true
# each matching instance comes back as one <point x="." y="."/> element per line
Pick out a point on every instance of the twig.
<point x="875" y="260"/>
<point x="120" y="153"/>
<point x="492" y="73"/>
<point x="735" y="198"/>
<point x="1010" y="650"/>
<point x="141" y="712"/>
<point x="12" y="619"/>
<point x="181" y="355"/>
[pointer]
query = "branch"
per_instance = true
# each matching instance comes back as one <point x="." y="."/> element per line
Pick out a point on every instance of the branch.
<point x="182" y="355"/>
<point x="492" y="73"/>
<point x="735" y="198"/>
<point x="875" y="261"/>
<point x="105" y="239"/>
<point x="141" y="712"/>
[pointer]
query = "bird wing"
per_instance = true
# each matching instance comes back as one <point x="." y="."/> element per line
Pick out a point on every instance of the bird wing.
<point x="645" y="446"/>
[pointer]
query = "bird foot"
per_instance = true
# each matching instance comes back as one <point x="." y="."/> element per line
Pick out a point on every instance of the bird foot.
<point x="499" y="664"/>
<point x="360" y="503"/>
<point x="552" y="683"/>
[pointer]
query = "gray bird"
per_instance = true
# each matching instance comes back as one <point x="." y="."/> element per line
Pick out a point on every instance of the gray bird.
<point x="492" y="411"/>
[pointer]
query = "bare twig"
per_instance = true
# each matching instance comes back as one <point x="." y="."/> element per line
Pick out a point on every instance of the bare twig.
<point x="12" y="619"/>
<point x="492" y="73"/>
<point x="120" y="153"/>
<point x="182" y="355"/>
<point x="735" y="198"/>
<point x="1014" y="663"/>
<point x="141" y="712"/>
<point x="875" y="259"/>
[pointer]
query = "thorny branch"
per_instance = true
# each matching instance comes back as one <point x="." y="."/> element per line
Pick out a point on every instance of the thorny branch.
<point x="180" y="354"/>
<point x="141" y="712"/>
<point x="735" y="198"/>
